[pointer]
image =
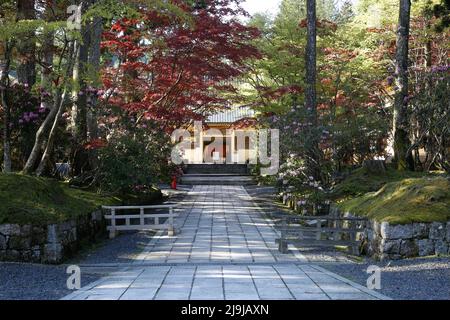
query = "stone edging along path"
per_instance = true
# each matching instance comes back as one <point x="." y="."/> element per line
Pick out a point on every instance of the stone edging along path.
<point x="225" y="250"/>
<point x="50" y="244"/>
<point x="387" y="241"/>
<point x="391" y="241"/>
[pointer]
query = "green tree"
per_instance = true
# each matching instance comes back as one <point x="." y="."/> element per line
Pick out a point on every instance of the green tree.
<point x="310" y="92"/>
<point x="346" y="13"/>
<point x="352" y="123"/>
<point x="402" y="152"/>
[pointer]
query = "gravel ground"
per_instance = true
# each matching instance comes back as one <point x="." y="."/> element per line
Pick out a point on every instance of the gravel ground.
<point x="122" y="249"/>
<point x="36" y="282"/>
<point x="411" y="279"/>
<point x="21" y="281"/>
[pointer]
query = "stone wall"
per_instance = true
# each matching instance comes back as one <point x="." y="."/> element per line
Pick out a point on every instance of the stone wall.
<point x="49" y="243"/>
<point x="387" y="241"/>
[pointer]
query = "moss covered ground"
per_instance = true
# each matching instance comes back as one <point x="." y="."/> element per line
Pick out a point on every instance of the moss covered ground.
<point x="32" y="200"/>
<point x="395" y="197"/>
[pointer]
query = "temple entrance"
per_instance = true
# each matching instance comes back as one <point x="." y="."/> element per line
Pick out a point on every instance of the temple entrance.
<point x="218" y="155"/>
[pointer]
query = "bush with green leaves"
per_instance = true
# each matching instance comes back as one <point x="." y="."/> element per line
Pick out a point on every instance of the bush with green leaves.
<point x="133" y="163"/>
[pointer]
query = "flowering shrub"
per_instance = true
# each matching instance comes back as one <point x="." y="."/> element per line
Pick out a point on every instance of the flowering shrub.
<point x="27" y="115"/>
<point x="295" y="178"/>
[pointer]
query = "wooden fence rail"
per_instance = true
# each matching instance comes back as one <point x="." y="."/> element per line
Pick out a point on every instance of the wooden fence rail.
<point x="320" y="231"/>
<point x="163" y="221"/>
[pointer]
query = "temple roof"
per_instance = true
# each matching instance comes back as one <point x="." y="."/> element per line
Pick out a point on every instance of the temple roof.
<point x="231" y="115"/>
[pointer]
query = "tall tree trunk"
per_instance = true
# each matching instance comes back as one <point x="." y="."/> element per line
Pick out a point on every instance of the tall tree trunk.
<point x="79" y="97"/>
<point x="45" y="160"/>
<point x="46" y="71"/>
<point x="79" y="156"/>
<point x="4" y="85"/>
<point x="57" y="111"/>
<point x="47" y="102"/>
<point x="403" y="157"/>
<point x="94" y="62"/>
<point x="26" y="47"/>
<point x="40" y="137"/>
<point x="311" y="61"/>
<point x="310" y="94"/>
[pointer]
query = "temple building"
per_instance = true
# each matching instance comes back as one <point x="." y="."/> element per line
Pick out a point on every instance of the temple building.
<point x="226" y="137"/>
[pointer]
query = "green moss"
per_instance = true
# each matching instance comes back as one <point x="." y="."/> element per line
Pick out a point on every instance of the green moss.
<point x="408" y="200"/>
<point x="26" y="199"/>
<point x="361" y="182"/>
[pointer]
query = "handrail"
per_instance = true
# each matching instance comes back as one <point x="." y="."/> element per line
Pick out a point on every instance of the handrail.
<point x="143" y="224"/>
<point x="168" y="206"/>
<point x="294" y="233"/>
<point x="292" y="217"/>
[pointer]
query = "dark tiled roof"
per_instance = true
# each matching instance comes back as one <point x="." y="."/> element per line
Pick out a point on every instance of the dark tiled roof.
<point x="231" y="115"/>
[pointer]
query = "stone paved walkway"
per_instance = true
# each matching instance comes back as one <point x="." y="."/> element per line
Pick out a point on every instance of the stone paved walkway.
<point x="218" y="224"/>
<point x="225" y="249"/>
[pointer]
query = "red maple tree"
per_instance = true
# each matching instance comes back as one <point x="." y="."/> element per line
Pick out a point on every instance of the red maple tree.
<point x="170" y="69"/>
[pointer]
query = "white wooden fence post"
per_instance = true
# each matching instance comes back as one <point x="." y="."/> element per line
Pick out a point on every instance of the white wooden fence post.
<point x="171" y="227"/>
<point x="114" y="227"/>
<point x="319" y="231"/>
<point x="112" y="232"/>
<point x="142" y="219"/>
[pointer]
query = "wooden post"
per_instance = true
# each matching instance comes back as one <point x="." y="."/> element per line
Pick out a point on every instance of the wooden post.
<point x="142" y="219"/>
<point x="283" y="245"/>
<point x="355" y="248"/>
<point x="233" y="147"/>
<point x="339" y="225"/>
<point x="330" y="225"/>
<point x="283" y="227"/>
<point x="319" y="230"/>
<point x="112" y="232"/>
<point x="171" y="231"/>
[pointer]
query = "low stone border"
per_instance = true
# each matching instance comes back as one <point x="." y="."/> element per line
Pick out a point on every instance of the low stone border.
<point x="387" y="241"/>
<point x="51" y="243"/>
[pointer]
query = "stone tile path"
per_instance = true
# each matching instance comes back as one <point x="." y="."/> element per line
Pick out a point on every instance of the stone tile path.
<point x="225" y="249"/>
<point x="218" y="224"/>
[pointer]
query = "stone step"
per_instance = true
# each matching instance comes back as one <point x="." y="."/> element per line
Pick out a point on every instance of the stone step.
<point x="236" y="169"/>
<point x="217" y="179"/>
